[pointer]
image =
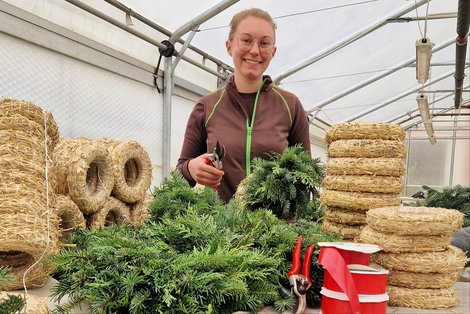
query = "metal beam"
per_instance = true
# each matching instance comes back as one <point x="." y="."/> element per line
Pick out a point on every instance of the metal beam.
<point x="377" y="77"/>
<point x="166" y="32"/>
<point x="190" y="26"/>
<point x="404" y="94"/>
<point x="361" y="33"/>
<point x="146" y="38"/>
<point x="421" y="121"/>
<point x="437" y="16"/>
<point x="416" y="109"/>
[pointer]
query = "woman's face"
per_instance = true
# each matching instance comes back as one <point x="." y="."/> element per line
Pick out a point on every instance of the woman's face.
<point x="252" y="47"/>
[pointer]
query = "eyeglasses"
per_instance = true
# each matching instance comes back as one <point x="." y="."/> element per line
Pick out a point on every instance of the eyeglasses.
<point x="245" y="43"/>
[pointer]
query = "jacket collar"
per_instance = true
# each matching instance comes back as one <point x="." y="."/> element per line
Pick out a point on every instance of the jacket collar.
<point x="267" y="85"/>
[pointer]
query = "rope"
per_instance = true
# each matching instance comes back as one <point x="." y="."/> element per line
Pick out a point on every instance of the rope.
<point x="47" y="206"/>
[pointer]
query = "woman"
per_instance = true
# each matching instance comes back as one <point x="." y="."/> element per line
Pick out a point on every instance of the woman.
<point x="250" y="116"/>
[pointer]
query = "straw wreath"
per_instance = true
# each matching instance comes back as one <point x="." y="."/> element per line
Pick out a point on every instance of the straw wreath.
<point x="88" y="169"/>
<point x="346" y="231"/>
<point x="70" y="215"/>
<point x="21" y="146"/>
<point x="365" y="130"/>
<point x="407" y="220"/>
<point x="33" y="305"/>
<point x="32" y="112"/>
<point x="132" y="169"/>
<point x="139" y="211"/>
<point x="422" y="298"/>
<point x="26" y="226"/>
<point x="400" y="243"/>
<point x="358" y="201"/>
<point x="367" y="149"/>
<point x="394" y="167"/>
<point x="422" y="281"/>
<point x="450" y="260"/>
<point x="355" y="183"/>
<point x="36" y="277"/>
<point x="29" y="223"/>
<point x="345" y="216"/>
<point x="62" y="153"/>
<point x="113" y="211"/>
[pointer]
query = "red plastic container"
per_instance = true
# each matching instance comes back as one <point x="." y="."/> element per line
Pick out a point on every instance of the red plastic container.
<point x="338" y="303"/>
<point x="353" y="253"/>
<point x="368" y="280"/>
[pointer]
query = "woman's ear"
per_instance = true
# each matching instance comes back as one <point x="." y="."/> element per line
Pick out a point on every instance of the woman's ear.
<point x="274" y="51"/>
<point x="228" y="46"/>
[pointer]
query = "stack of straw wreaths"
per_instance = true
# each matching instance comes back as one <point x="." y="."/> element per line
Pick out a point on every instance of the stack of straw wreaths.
<point x="416" y="250"/>
<point x="30" y="226"/>
<point x="363" y="171"/>
<point x="132" y="170"/>
<point x="105" y="178"/>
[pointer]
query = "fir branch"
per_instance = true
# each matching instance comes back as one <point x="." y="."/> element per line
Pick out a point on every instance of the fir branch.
<point x="12" y="304"/>
<point x="6" y="277"/>
<point x="457" y="197"/>
<point x="284" y="184"/>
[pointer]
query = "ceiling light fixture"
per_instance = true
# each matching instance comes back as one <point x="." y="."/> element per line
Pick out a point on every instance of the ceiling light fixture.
<point x="423" y="107"/>
<point x="423" y="59"/>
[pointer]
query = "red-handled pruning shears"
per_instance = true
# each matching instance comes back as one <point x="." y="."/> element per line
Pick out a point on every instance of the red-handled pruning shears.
<point x="215" y="158"/>
<point x="300" y="283"/>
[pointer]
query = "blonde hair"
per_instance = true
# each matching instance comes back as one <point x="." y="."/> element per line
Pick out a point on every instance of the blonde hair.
<point x="256" y="12"/>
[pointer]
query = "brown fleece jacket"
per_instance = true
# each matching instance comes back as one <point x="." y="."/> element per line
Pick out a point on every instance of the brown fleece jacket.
<point x="279" y="121"/>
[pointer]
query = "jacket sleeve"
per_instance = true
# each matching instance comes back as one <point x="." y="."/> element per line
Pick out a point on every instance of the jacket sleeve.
<point x="299" y="132"/>
<point x="194" y="143"/>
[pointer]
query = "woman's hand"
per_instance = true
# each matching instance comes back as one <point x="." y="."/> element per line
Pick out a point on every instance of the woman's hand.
<point x="204" y="173"/>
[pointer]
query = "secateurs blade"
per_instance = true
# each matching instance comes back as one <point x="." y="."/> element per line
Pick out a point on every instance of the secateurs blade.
<point x="215" y="158"/>
<point x="300" y="283"/>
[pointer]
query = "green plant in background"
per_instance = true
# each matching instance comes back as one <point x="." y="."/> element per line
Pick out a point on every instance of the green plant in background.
<point x="12" y="303"/>
<point x="456" y="197"/>
<point x="287" y="184"/>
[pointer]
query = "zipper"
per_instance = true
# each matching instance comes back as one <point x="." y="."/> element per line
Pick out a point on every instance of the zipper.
<point x="249" y="131"/>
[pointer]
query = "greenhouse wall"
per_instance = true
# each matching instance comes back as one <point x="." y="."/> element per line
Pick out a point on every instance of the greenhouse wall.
<point x="93" y="91"/>
<point x="443" y="164"/>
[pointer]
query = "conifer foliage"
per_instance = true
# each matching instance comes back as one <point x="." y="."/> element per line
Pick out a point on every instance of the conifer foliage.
<point x="194" y="255"/>
<point x="12" y="303"/>
<point x="456" y="197"/>
<point x="287" y="184"/>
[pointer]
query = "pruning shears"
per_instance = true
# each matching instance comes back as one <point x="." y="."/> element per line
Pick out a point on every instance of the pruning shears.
<point x="215" y="158"/>
<point x="300" y="283"/>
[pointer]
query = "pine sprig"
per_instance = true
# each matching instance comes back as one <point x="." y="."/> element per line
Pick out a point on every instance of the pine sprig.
<point x="194" y="255"/>
<point x="12" y="304"/>
<point x="456" y="197"/>
<point x="6" y="277"/>
<point x="284" y="184"/>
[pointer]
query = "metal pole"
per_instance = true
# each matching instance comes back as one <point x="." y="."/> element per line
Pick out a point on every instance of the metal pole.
<point x="452" y="159"/>
<point x="407" y="162"/>
<point x="409" y="113"/>
<point x="168" y="78"/>
<point x="204" y="16"/>
<point x="166" y="32"/>
<point x="375" y="78"/>
<point x="404" y="94"/>
<point x="150" y="40"/>
<point x="361" y="33"/>
<point x="166" y="111"/>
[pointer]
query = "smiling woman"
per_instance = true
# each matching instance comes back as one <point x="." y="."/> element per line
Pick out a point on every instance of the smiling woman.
<point x="250" y="116"/>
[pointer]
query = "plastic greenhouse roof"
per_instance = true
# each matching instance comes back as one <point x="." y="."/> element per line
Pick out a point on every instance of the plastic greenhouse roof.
<point x="313" y="33"/>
